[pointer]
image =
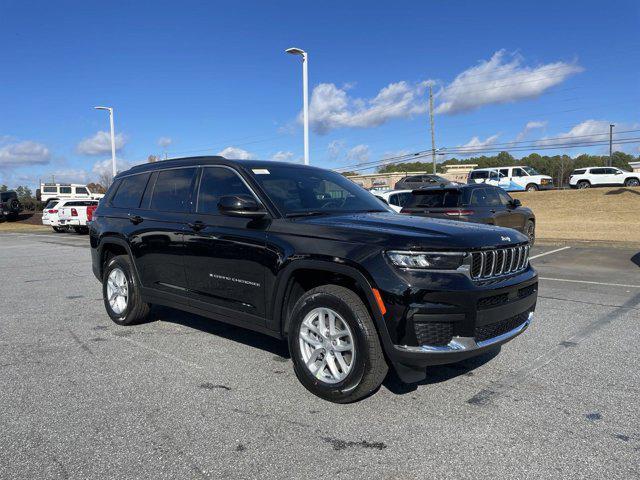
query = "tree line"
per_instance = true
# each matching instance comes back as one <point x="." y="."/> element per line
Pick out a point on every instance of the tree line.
<point x="557" y="166"/>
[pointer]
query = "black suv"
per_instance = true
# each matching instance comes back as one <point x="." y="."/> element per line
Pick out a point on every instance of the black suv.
<point x="479" y="203"/>
<point x="305" y="254"/>
<point x="9" y="205"/>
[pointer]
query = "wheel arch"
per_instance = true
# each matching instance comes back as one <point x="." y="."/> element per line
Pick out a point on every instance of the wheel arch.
<point x="296" y="279"/>
<point x="111" y="246"/>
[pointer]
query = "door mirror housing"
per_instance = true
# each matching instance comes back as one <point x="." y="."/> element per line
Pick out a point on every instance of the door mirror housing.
<point x="240" y="206"/>
<point x="515" y="203"/>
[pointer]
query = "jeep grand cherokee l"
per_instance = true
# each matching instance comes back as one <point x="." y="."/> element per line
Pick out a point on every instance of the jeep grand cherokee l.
<point x="304" y="254"/>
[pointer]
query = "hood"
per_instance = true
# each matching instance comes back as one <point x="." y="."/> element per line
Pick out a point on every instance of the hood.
<point x="407" y="231"/>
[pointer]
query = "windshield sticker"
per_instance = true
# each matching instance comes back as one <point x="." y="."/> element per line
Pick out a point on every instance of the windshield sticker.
<point x="260" y="171"/>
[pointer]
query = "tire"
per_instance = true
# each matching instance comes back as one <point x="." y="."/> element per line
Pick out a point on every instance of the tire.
<point x="367" y="368"/>
<point x="58" y="229"/>
<point x="582" y="184"/>
<point x="132" y="310"/>
<point x="530" y="231"/>
<point x="532" y="187"/>
<point x="80" y="230"/>
<point x="632" y="182"/>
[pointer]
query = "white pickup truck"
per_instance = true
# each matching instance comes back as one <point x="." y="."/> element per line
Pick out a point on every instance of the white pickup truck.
<point x="75" y="214"/>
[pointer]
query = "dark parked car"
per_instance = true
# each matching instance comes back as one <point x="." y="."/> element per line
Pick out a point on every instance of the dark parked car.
<point x="413" y="182"/>
<point x="9" y="205"/>
<point x="304" y="254"/>
<point x="480" y="203"/>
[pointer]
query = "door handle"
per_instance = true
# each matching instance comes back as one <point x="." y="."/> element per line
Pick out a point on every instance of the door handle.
<point x="492" y="211"/>
<point x="196" y="226"/>
<point x="135" y="219"/>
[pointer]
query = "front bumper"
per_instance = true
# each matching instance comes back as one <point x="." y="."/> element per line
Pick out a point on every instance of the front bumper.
<point x="459" y="348"/>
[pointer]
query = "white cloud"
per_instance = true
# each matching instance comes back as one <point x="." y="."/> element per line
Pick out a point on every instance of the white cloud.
<point x="533" y="125"/>
<point x="501" y="79"/>
<point x="104" y="167"/>
<point x="236" y="153"/>
<point x="331" y="107"/>
<point x="590" y="131"/>
<point x="23" y="154"/>
<point x="282" y="156"/>
<point x="164" y="142"/>
<point x="359" y="153"/>
<point x="475" y="142"/>
<point x="335" y="148"/>
<point x="100" y="143"/>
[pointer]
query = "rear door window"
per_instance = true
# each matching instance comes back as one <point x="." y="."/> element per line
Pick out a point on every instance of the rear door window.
<point x="81" y="191"/>
<point x="130" y="191"/>
<point x="504" y="172"/>
<point x="172" y="191"/>
<point x="479" y="198"/>
<point x="598" y="171"/>
<point x="483" y="174"/>
<point x="65" y="190"/>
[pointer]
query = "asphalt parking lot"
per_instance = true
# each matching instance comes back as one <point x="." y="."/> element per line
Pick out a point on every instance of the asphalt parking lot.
<point x="187" y="397"/>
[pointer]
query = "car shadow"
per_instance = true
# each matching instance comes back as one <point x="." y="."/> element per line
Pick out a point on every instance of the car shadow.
<point x="618" y="191"/>
<point x="636" y="259"/>
<point x="221" y="329"/>
<point x="440" y="373"/>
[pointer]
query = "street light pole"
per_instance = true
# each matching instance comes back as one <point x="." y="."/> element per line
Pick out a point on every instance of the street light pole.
<point x="305" y="97"/>
<point x="113" y="139"/>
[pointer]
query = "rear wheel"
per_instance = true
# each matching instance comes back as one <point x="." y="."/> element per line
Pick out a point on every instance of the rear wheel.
<point x="582" y="184"/>
<point x="334" y="345"/>
<point x="121" y="292"/>
<point x="58" y="229"/>
<point x="632" y="182"/>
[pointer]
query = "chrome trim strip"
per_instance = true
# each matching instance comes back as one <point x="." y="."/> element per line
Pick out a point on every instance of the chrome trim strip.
<point x="468" y="344"/>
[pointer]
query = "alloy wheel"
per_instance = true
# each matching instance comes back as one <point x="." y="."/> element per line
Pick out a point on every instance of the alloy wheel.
<point x="326" y="345"/>
<point x="117" y="291"/>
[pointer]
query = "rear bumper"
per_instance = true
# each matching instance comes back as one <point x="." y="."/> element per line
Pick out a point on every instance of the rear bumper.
<point x="74" y="222"/>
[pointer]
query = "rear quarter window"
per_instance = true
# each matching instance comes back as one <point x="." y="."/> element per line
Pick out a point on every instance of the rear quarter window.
<point x="130" y="191"/>
<point x="579" y="172"/>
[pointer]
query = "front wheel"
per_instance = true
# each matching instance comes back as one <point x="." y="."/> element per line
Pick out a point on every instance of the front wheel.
<point x="121" y="292"/>
<point x="632" y="182"/>
<point x="530" y="231"/>
<point x="334" y="345"/>
<point x="532" y="187"/>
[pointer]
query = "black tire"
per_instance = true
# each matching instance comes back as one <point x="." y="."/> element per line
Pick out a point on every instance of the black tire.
<point x="80" y="230"/>
<point x="582" y="184"/>
<point x="530" y="231"/>
<point x="532" y="187"/>
<point x="632" y="182"/>
<point x="58" y="229"/>
<point x="369" y="366"/>
<point x="136" y="310"/>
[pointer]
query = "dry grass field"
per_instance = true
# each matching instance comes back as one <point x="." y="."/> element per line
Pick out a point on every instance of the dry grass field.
<point x="595" y="214"/>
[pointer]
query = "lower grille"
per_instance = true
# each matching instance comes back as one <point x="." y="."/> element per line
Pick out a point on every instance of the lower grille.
<point x="494" y="301"/>
<point x="434" y="333"/>
<point x="503" y="326"/>
<point x="526" y="291"/>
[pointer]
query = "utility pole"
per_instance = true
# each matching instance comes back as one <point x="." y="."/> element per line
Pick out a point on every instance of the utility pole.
<point x="611" y="144"/>
<point x="433" y="133"/>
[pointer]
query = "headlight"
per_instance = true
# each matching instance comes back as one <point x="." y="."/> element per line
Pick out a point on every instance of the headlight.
<point x="427" y="260"/>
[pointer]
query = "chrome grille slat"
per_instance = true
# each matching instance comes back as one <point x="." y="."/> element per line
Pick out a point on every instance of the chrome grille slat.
<point x="497" y="262"/>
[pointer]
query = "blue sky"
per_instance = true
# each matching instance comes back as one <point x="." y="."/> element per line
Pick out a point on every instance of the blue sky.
<point x="206" y="76"/>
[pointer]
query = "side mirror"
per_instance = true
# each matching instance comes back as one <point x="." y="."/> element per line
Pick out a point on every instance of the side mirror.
<point x="240" y="206"/>
<point x="515" y="203"/>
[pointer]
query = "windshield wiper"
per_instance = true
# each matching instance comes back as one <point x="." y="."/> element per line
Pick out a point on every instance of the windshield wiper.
<point x="308" y="213"/>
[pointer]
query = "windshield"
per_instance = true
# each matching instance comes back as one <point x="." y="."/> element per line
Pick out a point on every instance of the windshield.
<point x="530" y="170"/>
<point x="297" y="190"/>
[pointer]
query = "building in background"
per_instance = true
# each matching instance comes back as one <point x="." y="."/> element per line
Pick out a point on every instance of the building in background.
<point x="635" y="166"/>
<point x="455" y="173"/>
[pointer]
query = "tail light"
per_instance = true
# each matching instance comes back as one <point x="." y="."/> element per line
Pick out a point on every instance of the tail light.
<point x="74" y="212"/>
<point x="458" y="213"/>
<point x="53" y="211"/>
<point x="90" y="210"/>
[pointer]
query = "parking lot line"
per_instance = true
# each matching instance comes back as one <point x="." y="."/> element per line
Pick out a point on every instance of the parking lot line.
<point x="548" y="253"/>
<point x="589" y="282"/>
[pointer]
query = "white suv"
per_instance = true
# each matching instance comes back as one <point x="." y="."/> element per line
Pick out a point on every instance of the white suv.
<point x="603" y="176"/>
<point x="512" y="179"/>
